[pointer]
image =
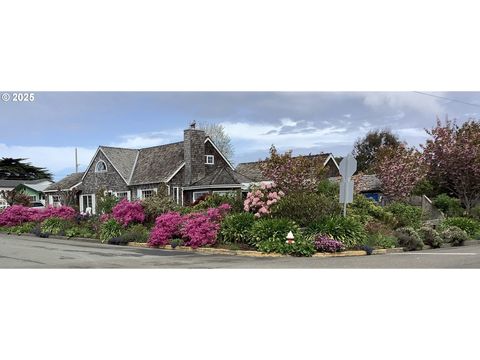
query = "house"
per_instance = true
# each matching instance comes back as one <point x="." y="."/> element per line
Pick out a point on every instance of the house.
<point x="56" y="194"/>
<point x="188" y="170"/>
<point x="369" y="186"/>
<point x="253" y="170"/>
<point x="34" y="189"/>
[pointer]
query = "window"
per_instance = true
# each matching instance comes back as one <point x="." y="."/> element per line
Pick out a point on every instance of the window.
<point x="230" y="193"/>
<point x="87" y="201"/>
<point x="198" y="194"/>
<point x="101" y="167"/>
<point x="56" y="201"/>
<point x="147" y="193"/>
<point x="209" y="159"/>
<point x="122" y="195"/>
<point x="33" y="198"/>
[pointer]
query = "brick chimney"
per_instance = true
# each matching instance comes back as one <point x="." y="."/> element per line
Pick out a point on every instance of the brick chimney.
<point x="194" y="153"/>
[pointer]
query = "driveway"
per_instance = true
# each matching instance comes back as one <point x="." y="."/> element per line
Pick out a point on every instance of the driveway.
<point x="30" y="252"/>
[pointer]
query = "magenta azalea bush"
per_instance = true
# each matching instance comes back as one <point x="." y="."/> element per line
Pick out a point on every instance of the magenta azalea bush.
<point x="197" y="229"/>
<point x="128" y="212"/>
<point x="167" y="227"/>
<point x="18" y="214"/>
<point x="105" y="217"/>
<point x="261" y="199"/>
<point x="324" y="243"/>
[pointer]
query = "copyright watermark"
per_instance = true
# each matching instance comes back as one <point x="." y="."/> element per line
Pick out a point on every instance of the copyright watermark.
<point x="18" y="97"/>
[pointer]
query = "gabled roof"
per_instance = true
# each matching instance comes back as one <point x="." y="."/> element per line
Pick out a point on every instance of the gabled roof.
<point x="253" y="170"/>
<point x="66" y="183"/>
<point x="122" y="159"/>
<point x="363" y="183"/>
<point x="158" y="163"/>
<point x="38" y="187"/>
<point x="221" y="176"/>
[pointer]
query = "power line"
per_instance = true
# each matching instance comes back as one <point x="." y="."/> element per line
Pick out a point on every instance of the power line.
<point x="446" y="98"/>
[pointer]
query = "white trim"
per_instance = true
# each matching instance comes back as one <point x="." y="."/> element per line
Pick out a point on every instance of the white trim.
<point x="330" y="156"/>
<point x="100" y="171"/>
<point x="175" y="173"/>
<point x="94" y="203"/>
<point x="199" y="192"/>
<point x="181" y="191"/>
<point x="209" y="157"/>
<point x="133" y="169"/>
<point x="139" y="192"/>
<point x="129" y="194"/>
<point x="215" y="147"/>
<point x="176" y="194"/>
<point x="111" y="163"/>
<point x="225" y="186"/>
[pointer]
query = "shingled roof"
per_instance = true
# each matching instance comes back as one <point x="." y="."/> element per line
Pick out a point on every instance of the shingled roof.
<point x="363" y="183"/>
<point x="253" y="170"/>
<point x="66" y="183"/>
<point x="223" y="176"/>
<point x="158" y="163"/>
<point x="122" y="159"/>
<point x="14" y="183"/>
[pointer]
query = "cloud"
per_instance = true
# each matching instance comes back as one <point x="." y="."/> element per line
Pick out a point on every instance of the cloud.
<point x="58" y="160"/>
<point x="137" y="141"/>
<point x="404" y="101"/>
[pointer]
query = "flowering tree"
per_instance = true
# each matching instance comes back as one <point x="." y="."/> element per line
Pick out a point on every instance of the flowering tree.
<point x="453" y="158"/>
<point x="399" y="168"/>
<point x="260" y="199"/>
<point x="292" y="173"/>
<point x="127" y="212"/>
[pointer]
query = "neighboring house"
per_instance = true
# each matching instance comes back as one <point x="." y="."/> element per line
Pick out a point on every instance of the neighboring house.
<point x="253" y="170"/>
<point x="55" y="193"/>
<point x="188" y="169"/>
<point x="369" y="186"/>
<point x="34" y="189"/>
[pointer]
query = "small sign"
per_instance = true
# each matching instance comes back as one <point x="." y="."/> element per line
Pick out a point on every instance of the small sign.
<point x="346" y="191"/>
<point x="348" y="166"/>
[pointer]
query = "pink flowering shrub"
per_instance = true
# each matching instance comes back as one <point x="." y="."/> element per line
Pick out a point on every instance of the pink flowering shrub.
<point x="197" y="229"/>
<point x="18" y="214"/>
<point x="127" y="212"/>
<point x="167" y="227"/>
<point x="260" y="200"/>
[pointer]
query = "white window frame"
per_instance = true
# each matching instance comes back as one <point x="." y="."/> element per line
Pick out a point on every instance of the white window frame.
<point x="98" y="163"/>
<point x="82" y="209"/>
<point x="33" y="198"/>
<point x="140" y="192"/>
<point x="207" y="157"/>
<point x="129" y="196"/>
<point x="57" y="202"/>
<point x="199" y="193"/>
<point x="176" y="194"/>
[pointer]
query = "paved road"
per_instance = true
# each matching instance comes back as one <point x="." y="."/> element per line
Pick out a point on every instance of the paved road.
<point x="29" y="252"/>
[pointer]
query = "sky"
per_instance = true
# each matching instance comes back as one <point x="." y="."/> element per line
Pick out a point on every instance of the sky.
<point x="47" y="130"/>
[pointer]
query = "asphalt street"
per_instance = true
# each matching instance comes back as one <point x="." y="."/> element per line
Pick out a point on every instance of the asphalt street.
<point x="30" y="252"/>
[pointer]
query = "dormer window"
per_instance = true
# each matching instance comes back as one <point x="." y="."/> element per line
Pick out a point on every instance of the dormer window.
<point x="101" y="167"/>
<point x="209" y="159"/>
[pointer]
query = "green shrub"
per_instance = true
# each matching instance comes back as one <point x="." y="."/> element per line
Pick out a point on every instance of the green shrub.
<point x="448" y="205"/>
<point x="305" y="207"/>
<point x="157" y="205"/>
<point x="381" y="241"/>
<point x="55" y="226"/>
<point x="405" y="215"/>
<point x="329" y="189"/>
<point x="215" y="200"/>
<point x="236" y="228"/>
<point x="105" y="202"/>
<point x="136" y="233"/>
<point x="110" y="229"/>
<point x="475" y="212"/>
<point x="470" y="226"/>
<point x="80" y="232"/>
<point x="430" y="237"/>
<point x="272" y="230"/>
<point x="347" y="230"/>
<point x="25" y="228"/>
<point x="365" y="210"/>
<point x="302" y="246"/>
<point x="454" y="236"/>
<point x="409" y="239"/>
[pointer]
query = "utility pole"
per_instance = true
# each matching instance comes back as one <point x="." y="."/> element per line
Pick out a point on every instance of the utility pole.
<point x="76" y="160"/>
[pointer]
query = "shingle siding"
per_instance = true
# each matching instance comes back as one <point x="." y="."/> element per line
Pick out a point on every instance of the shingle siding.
<point x="219" y="162"/>
<point x="110" y="180"/>
<point x="194" y="155"/>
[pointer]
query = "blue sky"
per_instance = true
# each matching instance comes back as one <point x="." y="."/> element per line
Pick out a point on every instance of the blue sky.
<point x="47" y="130"/>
